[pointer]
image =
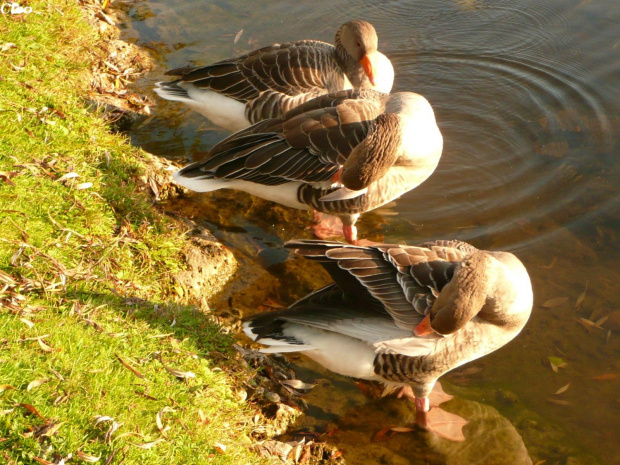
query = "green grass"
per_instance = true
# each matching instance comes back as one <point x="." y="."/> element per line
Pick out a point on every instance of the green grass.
<point x="90" y="272"/>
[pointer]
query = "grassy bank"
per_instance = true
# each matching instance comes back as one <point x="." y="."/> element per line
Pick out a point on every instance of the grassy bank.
<point x="102" y="358"/>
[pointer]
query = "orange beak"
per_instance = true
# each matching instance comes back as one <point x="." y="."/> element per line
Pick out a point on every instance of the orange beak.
<point x="368" y="68"/>
<point x="424" y="327"/>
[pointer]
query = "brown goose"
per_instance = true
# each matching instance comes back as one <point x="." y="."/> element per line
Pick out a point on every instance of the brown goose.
<point x="340" y="154"/>
<point x="370" y="322"/>
<point x="266" y="83"/>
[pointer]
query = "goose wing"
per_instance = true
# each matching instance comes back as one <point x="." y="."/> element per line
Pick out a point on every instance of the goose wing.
<point x="309" y="144"/>
<point x="403" y="280"/>
<point x="292" y="69"/>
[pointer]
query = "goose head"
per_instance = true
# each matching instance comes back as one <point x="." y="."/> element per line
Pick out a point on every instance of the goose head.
<point x="493" y="287"/>
<point x="356" y="42"/>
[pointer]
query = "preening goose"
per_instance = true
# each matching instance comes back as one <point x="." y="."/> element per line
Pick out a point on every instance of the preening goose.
<point x="268" y="82"/>
<point x="403" y="315"/>
<point x="341" y="154"/>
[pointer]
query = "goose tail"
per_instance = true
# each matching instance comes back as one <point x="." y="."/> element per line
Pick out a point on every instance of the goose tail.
<point x="172" y="91"/>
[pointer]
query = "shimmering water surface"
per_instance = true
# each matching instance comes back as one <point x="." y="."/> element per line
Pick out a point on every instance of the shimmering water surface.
<point x="527" y="96"/>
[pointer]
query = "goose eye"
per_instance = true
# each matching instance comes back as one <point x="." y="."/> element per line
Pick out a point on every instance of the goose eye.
<point x="359" y="44"/>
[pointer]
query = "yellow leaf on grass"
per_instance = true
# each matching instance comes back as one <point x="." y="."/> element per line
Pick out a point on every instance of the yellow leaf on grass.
<point x="44" y="346"/>
<point x="36" y="383"/>
<point x="4" y="387"/>
<point x="28" y="323"/>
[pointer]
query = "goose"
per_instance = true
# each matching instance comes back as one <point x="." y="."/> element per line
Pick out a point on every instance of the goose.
<point x="265" y="83"/>
<point x="403" y="315"/>
<point x="340" y="155"/>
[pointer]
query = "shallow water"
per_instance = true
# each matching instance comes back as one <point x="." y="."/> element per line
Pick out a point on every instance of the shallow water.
<point x="527" y="96"/>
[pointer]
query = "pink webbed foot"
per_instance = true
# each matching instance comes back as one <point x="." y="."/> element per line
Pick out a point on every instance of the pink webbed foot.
<point x="444" y="424"/>
<point x="432" y="418"/>
<point x="437" y="396"/>
<point x="326" y="226"/>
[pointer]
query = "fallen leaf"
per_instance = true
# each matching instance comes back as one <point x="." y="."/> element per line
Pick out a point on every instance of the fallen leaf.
<point x="557" y="401"/>
<point x="64" y="177"/>
<point x="32" y="410"/>
<point x="297" y="384"/>
<point x="51" y="429"/>
<point x="28" y="323"/>
<point x="8" y="45"/>
<point x="130" y="368"/>
<point x="87" y="458"/>
<point x="143" y="394"/>
<point x="586" y="324"/>
<point x="562" y="390"/>
<point x="203" y="417"/>
<point x="179" y="373"/>
<point x="36" y="383"/>
<point x="600" y="321"/>
<point x="606" y="376"/>
<point x="591" y="324"/>
<point x="273" y="304"/>
<point x="95" y="325"/>
<point x="61" y="399"/>
<point x="555" y="302"/>
<point x="402" y="429"/>
<point x="33" y="338"/>
<point x="147" y="445"/>
<point x="155" y="336"/>
<point x="4" y="387"/>
<point x="6" y="177"/>
<point x="44" y="346"/>
<point x="160" y="424"/>
<point x="581" y="297"/>
<point x="6" y="412"/>
<point x="100" y="418"/>
<point x="221" y="448"/>
<point x="382" y="435"/>
<point x="556" y="362"/>
<point x="84" y="185"/>
<point x="43" y="461"/>
<point x="238" y="36"/>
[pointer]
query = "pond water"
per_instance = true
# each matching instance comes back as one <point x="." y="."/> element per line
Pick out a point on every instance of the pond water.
<point x="527" y="96"/>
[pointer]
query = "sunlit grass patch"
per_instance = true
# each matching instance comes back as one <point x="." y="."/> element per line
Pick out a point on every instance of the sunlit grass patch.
<point x="88" y="377"/>
<point x="97" y="361"/>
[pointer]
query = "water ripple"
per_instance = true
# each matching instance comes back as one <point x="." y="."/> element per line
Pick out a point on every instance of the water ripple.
<point x="508" y="153"/>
